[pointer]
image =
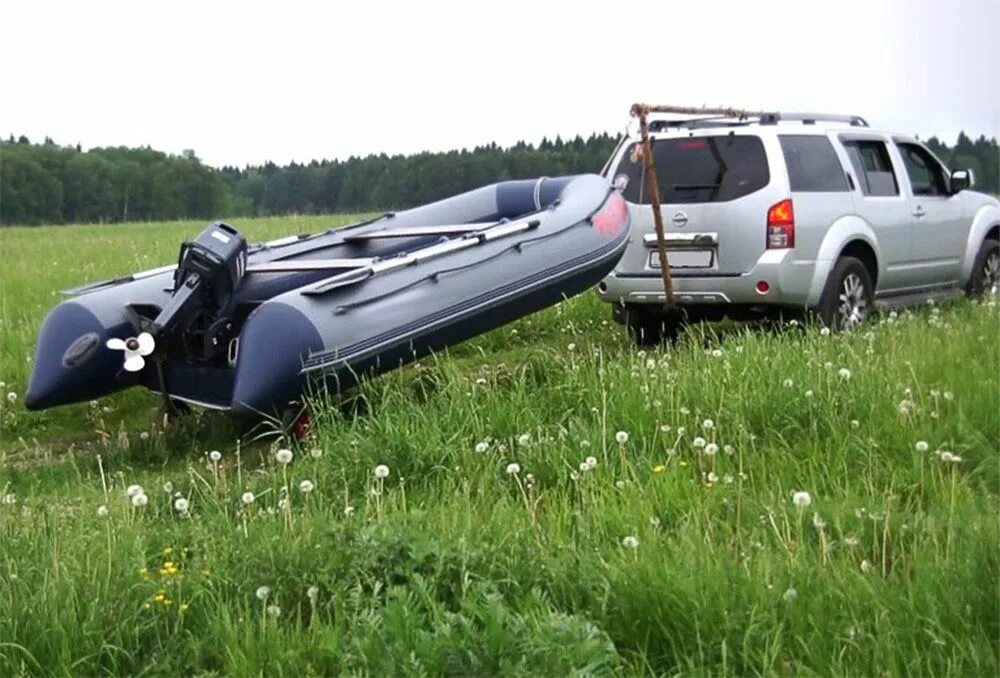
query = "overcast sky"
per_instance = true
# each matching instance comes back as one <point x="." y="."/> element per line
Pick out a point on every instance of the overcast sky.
<point x="242" y="82"/>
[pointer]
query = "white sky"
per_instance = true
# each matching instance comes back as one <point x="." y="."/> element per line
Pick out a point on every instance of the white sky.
<point x="245" y="82"/>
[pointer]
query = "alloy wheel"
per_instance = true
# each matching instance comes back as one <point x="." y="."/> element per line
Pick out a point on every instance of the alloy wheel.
<point x="991" y="274"/>
<point x="853" y="308"/>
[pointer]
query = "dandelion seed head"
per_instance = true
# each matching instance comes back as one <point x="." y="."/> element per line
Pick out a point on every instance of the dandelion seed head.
<point x="708" y="424"/>
<point x="790" y="595"/>
<point x="866" y="566"/>
<point x="802" y="499"/>
<point x="381" y="471"/>
<point x="306" y="486"/>
<point x="12" y="397"/>
<point x="102" y="511"/>
<point x="133" y="490"/>
<point x="717" y="353"/>
<point x="818" y="522"/>
<point x="855" y="423"/>
<point x="513" y="468"/>
<point x="809" y="393"/>
<point x="630" y="542"/>
<point x="787" y="383"/>
<point x="698" y="443"/>
<point x="481" y="447"/>
<point x="181" y="505"/>
<point x="621" y="437"/>
<point x="824" y="331"/>
<point x="168" y="487"/>
<point x="215" y="456"/>
<point x="591" y="462"/>
<point x="844" y="373"/>
<point x="711" y="449"/>
<point x="712" y="477"/>
<point x="348" y="511"/>
<point x="273" y="611"/>
<point x="247" y="498"/>
<point x="262" y="592"/>
<point x="312" y="593"/>
<point x="922" y="446"/>
<point x="316" y="452"/>
<point x="284" y="456"/>
<point x="144" y="435"/>
<point x="139" y="500"/>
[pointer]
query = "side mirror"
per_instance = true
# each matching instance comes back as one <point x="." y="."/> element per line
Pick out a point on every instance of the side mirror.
<point x="961" y="179"/>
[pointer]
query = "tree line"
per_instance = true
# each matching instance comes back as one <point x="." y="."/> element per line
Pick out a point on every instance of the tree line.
<point x="48" y="183"/>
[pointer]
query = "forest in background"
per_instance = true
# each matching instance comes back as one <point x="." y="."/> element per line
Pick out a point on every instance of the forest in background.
<point x="47" y="183"/>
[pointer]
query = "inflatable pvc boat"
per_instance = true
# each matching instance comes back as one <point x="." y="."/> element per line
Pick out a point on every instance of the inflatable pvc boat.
<point x="250" y="328"/>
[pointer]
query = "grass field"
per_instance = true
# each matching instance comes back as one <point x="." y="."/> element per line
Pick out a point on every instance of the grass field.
<point x="747" y="502"/>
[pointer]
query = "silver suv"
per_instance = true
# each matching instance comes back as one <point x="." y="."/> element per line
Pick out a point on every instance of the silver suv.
<point x="791" y="213"/>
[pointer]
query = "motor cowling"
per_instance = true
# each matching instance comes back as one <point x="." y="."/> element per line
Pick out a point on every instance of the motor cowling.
<point x="209" y="271"/>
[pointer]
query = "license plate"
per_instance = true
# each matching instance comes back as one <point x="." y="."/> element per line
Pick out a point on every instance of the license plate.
<point x="684" y="259"/>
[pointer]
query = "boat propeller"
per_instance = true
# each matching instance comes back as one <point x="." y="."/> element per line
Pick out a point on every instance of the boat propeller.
<point x="135" y="348"/>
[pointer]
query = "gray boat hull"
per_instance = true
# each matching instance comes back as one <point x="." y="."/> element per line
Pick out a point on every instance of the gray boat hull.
<point x="303" y="321"/>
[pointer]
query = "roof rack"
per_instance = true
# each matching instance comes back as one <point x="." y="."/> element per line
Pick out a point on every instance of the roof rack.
<point x="732" y="117"/>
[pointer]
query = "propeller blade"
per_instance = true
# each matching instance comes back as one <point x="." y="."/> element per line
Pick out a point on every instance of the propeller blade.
<point x="146" y="343"/>
<point x="116" y="344"/>
<point x="134" y="363"/>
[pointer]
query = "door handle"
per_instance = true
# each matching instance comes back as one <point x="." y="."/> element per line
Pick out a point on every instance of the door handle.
<point x="918" y="211"/>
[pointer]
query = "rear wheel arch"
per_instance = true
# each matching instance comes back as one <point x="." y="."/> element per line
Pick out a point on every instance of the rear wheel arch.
<point x="863" y="252"/>
<point x="992" y="233"/>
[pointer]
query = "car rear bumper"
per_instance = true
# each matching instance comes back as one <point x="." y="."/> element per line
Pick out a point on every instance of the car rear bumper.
<point x="789" y="281"/>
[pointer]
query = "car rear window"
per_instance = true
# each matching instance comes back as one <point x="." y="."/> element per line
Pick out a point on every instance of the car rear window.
<point x="697" y="169"/>
<point x="812" y="164"/>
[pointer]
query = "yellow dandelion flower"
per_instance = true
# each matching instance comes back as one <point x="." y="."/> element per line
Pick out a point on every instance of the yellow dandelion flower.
<point x="682" y="463"/>
<point x="183" y="607"/>
<point x="659" y="468"/>
<point x="169" y="565"/>
<point x="167" y="602"/>
<point x="205" y="573"/>
<point x="143" y="572"/>
<point x="167" y="551"/>
<point x="145" y="606"/>
<point x="159" y="597"/>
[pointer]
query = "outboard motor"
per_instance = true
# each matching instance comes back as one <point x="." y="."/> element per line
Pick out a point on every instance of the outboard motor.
<point x="208" y="273"/>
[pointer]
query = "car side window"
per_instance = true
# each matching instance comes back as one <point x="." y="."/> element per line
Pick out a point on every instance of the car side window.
<point x="870" y="160"/>
<point x="812" y="164"/>
<point x="926" y="175"/>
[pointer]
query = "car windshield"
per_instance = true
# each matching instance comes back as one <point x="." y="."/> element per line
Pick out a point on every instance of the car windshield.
<point x="697" y="169"/>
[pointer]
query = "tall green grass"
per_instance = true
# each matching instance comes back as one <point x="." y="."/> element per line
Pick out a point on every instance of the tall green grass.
<point x="493" y="546"/>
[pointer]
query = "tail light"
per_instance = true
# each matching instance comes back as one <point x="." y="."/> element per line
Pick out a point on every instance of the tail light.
<point x="781" y="226"/>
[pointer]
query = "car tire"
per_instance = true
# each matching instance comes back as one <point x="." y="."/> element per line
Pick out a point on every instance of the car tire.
<point x="985" y="277"/>
<point x="848" y="299"/>
<point x="650" y="327"/>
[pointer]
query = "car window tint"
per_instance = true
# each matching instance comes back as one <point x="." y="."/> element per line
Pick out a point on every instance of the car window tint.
<point x="871" y="163"/>
<point x="812" y="164"/>
<point x="926" y="175"/>
<point x="697" y="169"/>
